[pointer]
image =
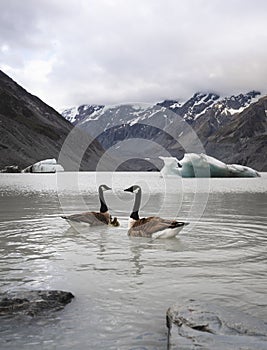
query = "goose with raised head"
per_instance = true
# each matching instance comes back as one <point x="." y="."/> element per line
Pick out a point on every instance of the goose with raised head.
<point x="153" y="226"/>
<point x="93" y="218"/>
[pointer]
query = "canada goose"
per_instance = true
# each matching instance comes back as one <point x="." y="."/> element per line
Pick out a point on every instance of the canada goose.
<point x="93" y="218"/>
<point x="153" y="226"/>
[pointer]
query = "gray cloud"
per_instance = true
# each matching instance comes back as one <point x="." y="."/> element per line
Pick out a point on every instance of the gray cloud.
<point x="112" y="51"/>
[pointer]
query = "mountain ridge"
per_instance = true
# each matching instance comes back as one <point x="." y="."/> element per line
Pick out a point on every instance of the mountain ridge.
<point x="207" y="114"/>
<point x="232" y="129"/>
<point x="188" y="109"/>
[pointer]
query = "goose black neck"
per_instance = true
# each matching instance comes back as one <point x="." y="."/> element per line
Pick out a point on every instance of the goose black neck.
<point x="134" y="215"/>
<point x="103" y="207"/>
<point x="137" y="202"/>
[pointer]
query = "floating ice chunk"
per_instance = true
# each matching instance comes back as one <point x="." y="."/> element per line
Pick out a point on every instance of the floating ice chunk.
<point x="242" y="171"/>
<point x="202" y="165"/>
<point x="44" y="166"/>
<point x="171" y="166"/>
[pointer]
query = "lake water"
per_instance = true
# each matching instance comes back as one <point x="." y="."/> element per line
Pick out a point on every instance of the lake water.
<point x="123" y="286"/>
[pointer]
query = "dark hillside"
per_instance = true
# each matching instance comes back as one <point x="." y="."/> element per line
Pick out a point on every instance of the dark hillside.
<point x="30" y="131"/>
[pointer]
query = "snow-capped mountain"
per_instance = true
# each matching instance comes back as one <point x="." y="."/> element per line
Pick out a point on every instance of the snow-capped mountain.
<point x="200" y="103"/>
<point x="244" y="139"/>
<point x="167" y="124"/>
<point x="78" y="113"/>
<point x="190" y="110"/>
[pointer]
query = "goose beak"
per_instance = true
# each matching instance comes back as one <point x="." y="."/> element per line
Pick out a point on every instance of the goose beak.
<point x="128" y="189"/>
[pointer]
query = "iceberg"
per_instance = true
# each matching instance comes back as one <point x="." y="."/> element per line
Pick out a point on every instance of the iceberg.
<point x="44" y="166"/>
<point x="202" y="165"/>
<point x="171" y="166"/>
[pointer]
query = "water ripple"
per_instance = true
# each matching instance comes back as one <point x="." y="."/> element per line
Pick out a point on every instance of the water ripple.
<point x="123" y="285"/>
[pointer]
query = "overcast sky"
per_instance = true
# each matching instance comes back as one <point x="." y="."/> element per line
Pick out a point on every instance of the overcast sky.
<point x="70" y="52"/>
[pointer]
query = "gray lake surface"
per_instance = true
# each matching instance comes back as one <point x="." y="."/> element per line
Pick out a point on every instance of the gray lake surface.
<point x="123" y="286"/>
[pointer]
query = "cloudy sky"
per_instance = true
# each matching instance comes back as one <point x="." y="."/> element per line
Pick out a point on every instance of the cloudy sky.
<point x="71" y="52"/>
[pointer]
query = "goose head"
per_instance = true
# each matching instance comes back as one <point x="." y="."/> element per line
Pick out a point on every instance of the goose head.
<point x="104" y="188"/>
<point x="133" y="189"/>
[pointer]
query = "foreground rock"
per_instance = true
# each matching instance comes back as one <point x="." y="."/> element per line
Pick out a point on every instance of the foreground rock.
<point x="197" y="325"/>
<point x="33" y="303"/>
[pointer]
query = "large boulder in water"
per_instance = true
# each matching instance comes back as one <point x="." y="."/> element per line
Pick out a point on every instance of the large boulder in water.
<point x="198" y="325"/>
<point x="33" y="303"/>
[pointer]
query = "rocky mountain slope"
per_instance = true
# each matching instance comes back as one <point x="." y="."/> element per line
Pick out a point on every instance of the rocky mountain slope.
<point x="244" y="139"/>
<point x="31" y="131"/>
<point x="203" y="123"/>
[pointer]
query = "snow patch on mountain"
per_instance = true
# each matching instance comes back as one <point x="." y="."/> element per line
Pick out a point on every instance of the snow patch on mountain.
<point x="69" y="113"/>
<point x="236" y="104"/>
<point x="77" y="114"/>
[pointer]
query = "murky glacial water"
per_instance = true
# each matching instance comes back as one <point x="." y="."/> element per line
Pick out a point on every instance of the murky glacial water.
<point x="123" y="286"/>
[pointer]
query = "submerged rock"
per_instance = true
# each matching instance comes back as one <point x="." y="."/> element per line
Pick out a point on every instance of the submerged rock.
<point x="33" y="303"/>
<point x="197" y="325"/>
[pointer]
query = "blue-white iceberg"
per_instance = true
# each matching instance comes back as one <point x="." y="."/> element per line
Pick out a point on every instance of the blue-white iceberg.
<point x="201" y="165"/>
<point x="44" y="166"/>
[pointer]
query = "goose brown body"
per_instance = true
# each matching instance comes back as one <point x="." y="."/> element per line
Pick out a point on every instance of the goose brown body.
<point x="152" y="226"/>
<point x="147" y="227"/>
<point x="94" y="218"/>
